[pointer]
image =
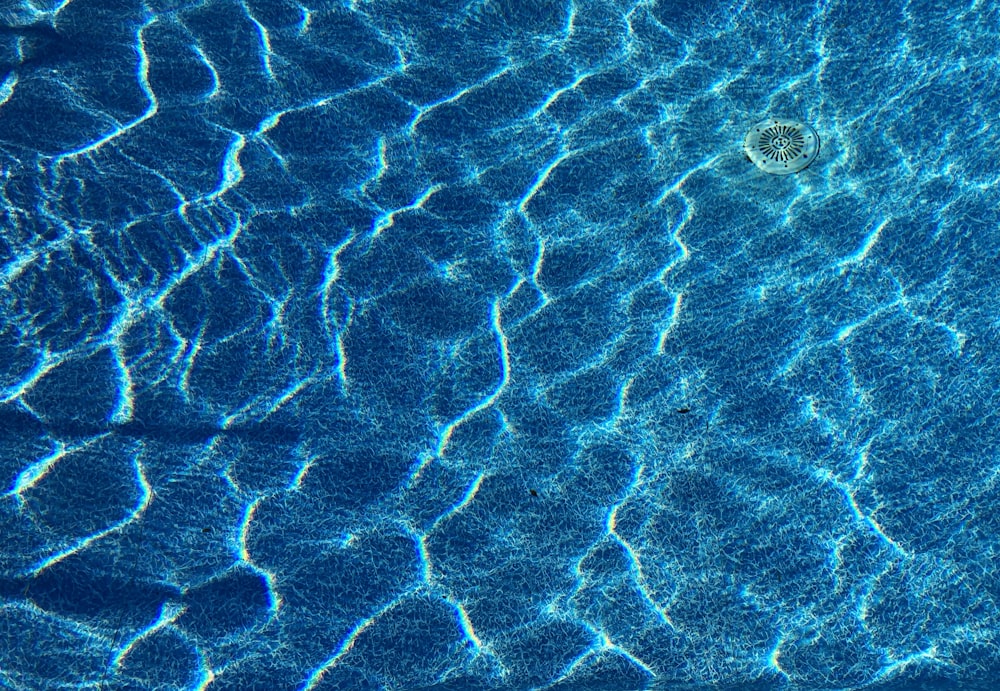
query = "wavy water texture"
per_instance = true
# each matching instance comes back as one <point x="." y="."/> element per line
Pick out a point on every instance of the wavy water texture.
<point x="455" y="345"/>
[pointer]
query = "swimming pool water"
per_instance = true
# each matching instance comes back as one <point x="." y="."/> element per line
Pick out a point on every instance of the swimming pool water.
<point x="457" y="345"/>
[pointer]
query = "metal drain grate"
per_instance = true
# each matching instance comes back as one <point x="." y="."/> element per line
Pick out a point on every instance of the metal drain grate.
<point x="781" y="147"/>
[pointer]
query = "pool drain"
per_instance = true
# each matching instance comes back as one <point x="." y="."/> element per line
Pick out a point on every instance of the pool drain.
<point x="781" y="147"/>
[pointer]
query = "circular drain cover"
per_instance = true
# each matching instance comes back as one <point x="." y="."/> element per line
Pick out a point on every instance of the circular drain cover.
<point x="780" y="146"/>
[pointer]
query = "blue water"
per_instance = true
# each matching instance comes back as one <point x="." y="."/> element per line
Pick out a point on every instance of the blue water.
<point x="457" y="345"/>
